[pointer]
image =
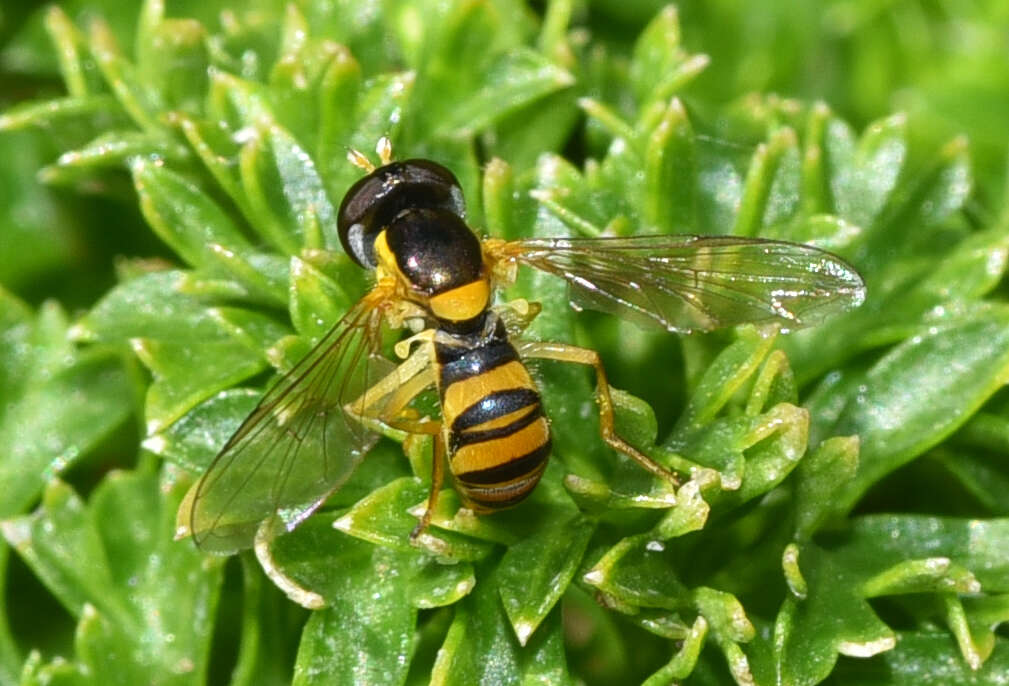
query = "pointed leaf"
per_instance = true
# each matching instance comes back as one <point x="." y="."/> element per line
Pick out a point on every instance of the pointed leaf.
<point x="535" y="572"/>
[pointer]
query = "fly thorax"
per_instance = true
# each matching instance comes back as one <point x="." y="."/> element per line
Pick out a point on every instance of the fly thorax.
<point x="440" y="260"/>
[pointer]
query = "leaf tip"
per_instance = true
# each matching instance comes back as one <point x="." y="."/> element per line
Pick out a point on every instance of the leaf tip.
<point x="153" y="426"/>
<point x="56" y="13"/>
<point x="793" y="574"/>
<point x="867" y="648"/>
<point x="465" y="586"/>
<point x="344" y="524"/>
<point x="81" y="333"/>
<point x="17" y="532"/>
<point x="155" y="444"/>
<point x="523" y="630"/>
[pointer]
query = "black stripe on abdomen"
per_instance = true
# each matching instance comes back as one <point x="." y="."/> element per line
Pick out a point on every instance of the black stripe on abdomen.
<point x="512" y="470"/>
<point x="495" y="405"/>
<point x="459" y="364"/>
<point x="459" y="439"/>
<point x="502" y="496"/>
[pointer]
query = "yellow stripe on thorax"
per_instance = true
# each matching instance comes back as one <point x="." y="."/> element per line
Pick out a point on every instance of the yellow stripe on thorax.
<point x="463" y="302"/>
<point x="385" y="260"/>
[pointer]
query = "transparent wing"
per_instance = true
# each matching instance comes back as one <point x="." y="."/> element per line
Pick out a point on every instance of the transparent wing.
<point x="697" y="283"/>
<point x="299" y="444"/>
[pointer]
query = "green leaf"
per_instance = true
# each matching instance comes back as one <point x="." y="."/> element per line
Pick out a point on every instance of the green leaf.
<point x="976" y="460"/>
<point x="317" y="298"/>
<point x="926" y="659"/>
<point x="881" y="555"/>
<point x="338" y="92"/>
<point x="372" y="602"/>
<point x="10" y="654"/>
<point x="69" y="45"/>
<point x="144" y="603"/>
<point x="136" y="97"/>
<point x="535" y="572"/>
<point x="480" y="628"/>
<point x="195" y="439"/>
<point x="305" y="200"/>
<point x="832" y="619"/>
<point x="684" y="661"/>
<point x="33" y="221"/>
<point x="919" y="393"/>
<point x="723" y="378"/>
<point x="864" y="174"/>
<point x="832" y="464"/>
<point x="914" y="292"/>
<point x="151" y="306"/>
<point x="378" y="110"/>
<point x="91" y="111"/>
<point x="173" y="53"/>
<point x="942" y="190"/>
<point x="58" y="411"/>
<point x="385" y="517"/>
<point x="363" y="633"/>
<point x="218" y="147"/>
<point x="260" y="278"/>
<point x="113" y="150"/>
<point x="769" y="193"/>
<point x="186" y="374"/>
<point x="511" y="81"/>
<point x="671" y="173"/>
<point x="182" y="215"/>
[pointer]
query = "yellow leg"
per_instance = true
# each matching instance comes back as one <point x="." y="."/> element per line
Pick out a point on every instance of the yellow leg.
<point x="387" y="400"/>
<point x="402" y="397"/>
<point x="569" y="353"/>
<point x="437" y="479"/>
<point x="398" y="383"/>
<point x="397" y="389"/>
<point x="433" y="428"/>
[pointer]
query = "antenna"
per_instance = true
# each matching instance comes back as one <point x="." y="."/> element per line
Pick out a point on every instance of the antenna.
<point x="358" y="159"/>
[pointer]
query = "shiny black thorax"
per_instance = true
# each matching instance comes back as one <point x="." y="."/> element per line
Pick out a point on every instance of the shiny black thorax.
<point x="434" y="249"/>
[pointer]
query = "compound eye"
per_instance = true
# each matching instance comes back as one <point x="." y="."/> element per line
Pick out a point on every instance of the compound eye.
<point x="354" y="219"/>
<point x="374" y="201"/>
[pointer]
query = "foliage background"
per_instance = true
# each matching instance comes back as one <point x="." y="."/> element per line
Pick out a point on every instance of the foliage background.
<point x="846" y="519"/>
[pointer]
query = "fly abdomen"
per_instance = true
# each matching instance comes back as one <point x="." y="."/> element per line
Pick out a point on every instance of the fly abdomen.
<point x="498" y="438"/>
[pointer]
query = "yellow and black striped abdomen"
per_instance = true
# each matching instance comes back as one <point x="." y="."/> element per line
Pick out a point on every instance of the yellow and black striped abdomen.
<point x="498" y="438"/>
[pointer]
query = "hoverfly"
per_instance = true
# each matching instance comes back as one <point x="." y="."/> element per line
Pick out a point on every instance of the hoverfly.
<point x="404" y="221"/>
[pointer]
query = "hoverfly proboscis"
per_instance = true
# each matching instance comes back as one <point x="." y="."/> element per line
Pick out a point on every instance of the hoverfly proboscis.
<point x="404" y="221"/>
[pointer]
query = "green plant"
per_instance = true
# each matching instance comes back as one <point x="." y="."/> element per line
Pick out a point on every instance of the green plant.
<point x="869" y="520"/>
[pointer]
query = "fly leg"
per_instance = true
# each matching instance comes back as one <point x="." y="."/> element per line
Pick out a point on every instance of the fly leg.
<point x="432" y="428"/>
<point x="569" y="353"/>
<point x="381" y="407"/>
<point x="387" y="404"/>
<point x="388" y="398"/>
